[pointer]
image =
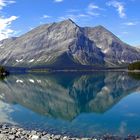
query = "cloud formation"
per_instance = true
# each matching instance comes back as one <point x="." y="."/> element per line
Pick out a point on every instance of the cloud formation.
<point x="5" y="30"/>
<point x="46" y="16"/>
<point x="4" y="3"/>
<point x="92" y="9"/>
<point x="5" y="23"/>
<point x="93" y="6"/>
<point x="58" y="0"/>
<point x="119" y="7"/>
<point x="130" y="23"/>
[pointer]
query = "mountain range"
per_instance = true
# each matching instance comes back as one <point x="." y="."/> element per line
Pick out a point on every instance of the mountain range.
<point x="65" y="44"/>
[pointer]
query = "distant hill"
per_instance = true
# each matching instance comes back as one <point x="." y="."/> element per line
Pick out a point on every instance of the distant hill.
<point x="65" y="44"/>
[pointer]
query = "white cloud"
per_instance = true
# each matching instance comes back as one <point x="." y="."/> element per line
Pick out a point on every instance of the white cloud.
<point x="46" y="16"/>
<point x="5" y="30"/>
<point x="76" y="14"/>
<point x="119" y="7"/>
<point x="93" y="6"/>
<point x="92" y="13"/>
<point x="92" y="9"/>
<point x="125" y="32"/>
<point x="5" y="23"/>
<point x="130" y="23"/>
<point x="58" y="1"/>
<point x="4" y="3"/>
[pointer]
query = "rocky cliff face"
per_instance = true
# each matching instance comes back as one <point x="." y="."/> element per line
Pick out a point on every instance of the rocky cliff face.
<point x="66" y="44"/>
<point x="115" y="51"/>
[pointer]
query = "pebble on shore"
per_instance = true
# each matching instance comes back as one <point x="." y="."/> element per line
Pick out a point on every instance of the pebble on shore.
<point x="8" y="132"/>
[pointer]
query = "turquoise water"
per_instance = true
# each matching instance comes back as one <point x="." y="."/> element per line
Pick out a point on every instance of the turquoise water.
<point x="76" y="104"/>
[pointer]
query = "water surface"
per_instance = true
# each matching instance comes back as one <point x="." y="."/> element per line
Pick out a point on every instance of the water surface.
<point x="73" y="104"/>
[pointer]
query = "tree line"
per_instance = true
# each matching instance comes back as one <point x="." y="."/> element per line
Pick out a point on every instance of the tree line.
<point x="134" y="66"/>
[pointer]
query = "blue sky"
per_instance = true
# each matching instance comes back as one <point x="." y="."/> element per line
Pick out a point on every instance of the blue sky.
<point x="122" y="17"/>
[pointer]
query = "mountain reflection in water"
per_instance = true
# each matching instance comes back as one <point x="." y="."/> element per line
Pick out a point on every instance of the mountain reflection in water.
<point x="67" y="95"/>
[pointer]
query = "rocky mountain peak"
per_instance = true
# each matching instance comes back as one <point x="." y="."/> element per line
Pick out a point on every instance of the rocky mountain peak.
<point x="65" y="43"/>
<point x="101" y="27"/>
<point x="68" y="23"/>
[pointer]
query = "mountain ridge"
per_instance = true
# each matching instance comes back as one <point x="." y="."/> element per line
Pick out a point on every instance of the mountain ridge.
<point x="67" y="44"/>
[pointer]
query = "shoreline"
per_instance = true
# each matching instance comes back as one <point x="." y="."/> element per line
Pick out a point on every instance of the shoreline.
<point x="73" y="70"/>
<point x="13" y="132"/>
<point x="66" y="70"/>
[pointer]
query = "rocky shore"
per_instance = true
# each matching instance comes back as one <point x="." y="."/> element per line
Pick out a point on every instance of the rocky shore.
<point x="10" y="132"/>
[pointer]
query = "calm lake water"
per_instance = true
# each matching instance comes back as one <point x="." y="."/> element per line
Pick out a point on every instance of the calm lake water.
<point x="71" y="103"/>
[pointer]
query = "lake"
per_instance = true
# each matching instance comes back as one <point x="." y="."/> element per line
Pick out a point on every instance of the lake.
<point x="75" y="104"/>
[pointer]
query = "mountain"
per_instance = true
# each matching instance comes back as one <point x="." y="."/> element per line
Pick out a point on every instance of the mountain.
<point x="68" y="45"/>
<point x="115" y="51"/>
<point x="7" y="41"/>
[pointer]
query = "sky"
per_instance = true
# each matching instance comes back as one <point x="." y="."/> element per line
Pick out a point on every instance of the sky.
<point x="122" y="17"/>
